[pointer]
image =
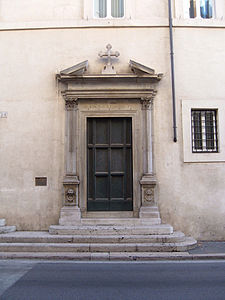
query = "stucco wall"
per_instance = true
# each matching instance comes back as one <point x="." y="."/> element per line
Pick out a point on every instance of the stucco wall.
<point x="190" y="195"/>
<point x="41" y="10"/>
<point x="32" y="134"/>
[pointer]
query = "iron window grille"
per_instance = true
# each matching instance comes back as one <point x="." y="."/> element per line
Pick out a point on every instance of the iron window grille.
<point x="204" y="130"/>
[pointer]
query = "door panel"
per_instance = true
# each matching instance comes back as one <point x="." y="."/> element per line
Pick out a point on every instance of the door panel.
<point x="109" y="164"/>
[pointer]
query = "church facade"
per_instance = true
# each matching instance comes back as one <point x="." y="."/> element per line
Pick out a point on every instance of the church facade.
<point x="112" y="109"/>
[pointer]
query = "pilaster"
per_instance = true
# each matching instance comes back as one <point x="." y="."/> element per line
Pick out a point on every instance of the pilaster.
<point x="70" y="213"/>
<point x="148" y="180"/>
<point x="147" y="106"/>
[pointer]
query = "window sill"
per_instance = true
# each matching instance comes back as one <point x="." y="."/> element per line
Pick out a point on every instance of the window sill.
<point x="120" y="22"/>
<point x="83" y="23"/>
<point x="199" y="22"/>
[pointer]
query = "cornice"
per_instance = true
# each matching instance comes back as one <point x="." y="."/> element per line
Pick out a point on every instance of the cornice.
<point x="108" y="77"/>
<point x="145" y="96"/>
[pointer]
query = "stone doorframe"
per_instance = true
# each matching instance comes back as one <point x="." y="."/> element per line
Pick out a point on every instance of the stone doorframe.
<point x="128" y="95"/>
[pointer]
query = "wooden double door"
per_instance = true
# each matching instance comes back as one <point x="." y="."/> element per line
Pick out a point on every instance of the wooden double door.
<point x="109" y="164"/>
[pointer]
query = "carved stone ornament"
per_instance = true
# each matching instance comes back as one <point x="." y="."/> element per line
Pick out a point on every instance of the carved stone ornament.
<point x="149" y="195"/>
<point x="147" y="102"/>
<point x="70" y="184"/>
<point x="70" y="196"/>
<point x="70" y="102"/>
<point x="109" y="68"/>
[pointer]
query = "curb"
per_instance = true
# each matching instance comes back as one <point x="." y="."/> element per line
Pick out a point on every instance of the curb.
<point x="113" y="256"/>
<point x="208" y="256"/>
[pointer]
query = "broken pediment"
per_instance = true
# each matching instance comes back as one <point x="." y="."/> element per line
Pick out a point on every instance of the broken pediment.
<point x="78" y="69"/>
<point x="138" y="70"/>
<point x="108" y="79"/>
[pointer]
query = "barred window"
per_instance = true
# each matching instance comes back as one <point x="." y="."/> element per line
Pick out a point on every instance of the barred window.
<point x="109" y="8"/>
<point x="204" y="130"/>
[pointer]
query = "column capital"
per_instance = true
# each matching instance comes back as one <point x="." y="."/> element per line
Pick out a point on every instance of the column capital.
<point x="147" y="102"/>
<point x="71" y="101"/>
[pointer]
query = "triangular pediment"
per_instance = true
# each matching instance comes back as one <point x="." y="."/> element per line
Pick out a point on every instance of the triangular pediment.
<point x="77" y="69"/>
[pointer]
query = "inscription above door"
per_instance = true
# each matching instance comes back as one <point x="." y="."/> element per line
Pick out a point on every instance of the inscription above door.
<point x="109" y="157"/>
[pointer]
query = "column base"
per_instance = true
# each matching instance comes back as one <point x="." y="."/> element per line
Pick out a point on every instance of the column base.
<point x="70" y="184"/>
<point x="148" y="183"/>
<point x="70" y="216"/>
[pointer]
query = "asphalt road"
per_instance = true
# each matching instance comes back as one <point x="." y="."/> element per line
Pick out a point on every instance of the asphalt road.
<point x="110" y="281"/>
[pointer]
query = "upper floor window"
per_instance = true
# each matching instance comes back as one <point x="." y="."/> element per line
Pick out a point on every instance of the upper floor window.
<point x="200" y="8"/>
<point x="109" y="8"/>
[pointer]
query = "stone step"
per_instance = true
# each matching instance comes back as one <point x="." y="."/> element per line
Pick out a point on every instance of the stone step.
<point x="111" y="230"/>
<point x="2" y="222"/>
<point x="45" y="237"/>
<point x="118" y="222"/>
<point x="188" y="243"/>
<point x="6" y="229"/>
<point x="111" y="222"/>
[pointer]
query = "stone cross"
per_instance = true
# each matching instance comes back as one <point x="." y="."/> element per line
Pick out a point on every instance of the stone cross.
<point x="109" y="68"/>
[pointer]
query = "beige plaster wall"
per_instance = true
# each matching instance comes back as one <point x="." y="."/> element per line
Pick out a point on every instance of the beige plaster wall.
<point x="32" y="135"/>
<point x="190" y="195"/>
<point x="42" y="10"/>
<point x="67" y="13"/>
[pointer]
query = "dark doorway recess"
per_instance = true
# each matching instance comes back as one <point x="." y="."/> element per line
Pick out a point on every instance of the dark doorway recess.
<point x="109" y="156"/>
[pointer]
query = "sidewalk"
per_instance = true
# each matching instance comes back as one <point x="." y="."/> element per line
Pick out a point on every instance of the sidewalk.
<point x="208" y="250"/>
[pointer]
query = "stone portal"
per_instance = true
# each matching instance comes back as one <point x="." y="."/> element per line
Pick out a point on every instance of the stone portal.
<point x="112" y="169"/>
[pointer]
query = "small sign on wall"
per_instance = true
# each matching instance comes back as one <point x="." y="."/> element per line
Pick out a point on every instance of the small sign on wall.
<point x="40" y="181"/>
<point x="3" y="114"/>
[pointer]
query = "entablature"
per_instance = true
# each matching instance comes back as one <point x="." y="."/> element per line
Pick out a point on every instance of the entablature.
<point x="106" y="86"/>
<point x="139" y="84"/>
